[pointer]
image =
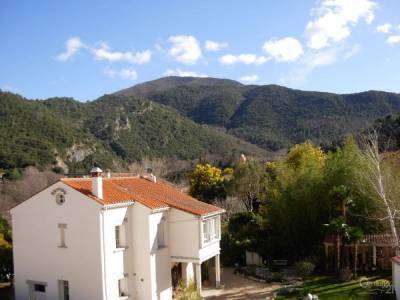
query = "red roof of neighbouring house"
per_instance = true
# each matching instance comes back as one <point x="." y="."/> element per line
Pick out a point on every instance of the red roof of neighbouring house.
<point x="396" y="259"/>
<point x="373" y="239"/>
<point x="151" y="194"/>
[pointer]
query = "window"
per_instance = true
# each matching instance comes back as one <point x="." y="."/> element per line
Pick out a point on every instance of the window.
<point x="161" y="236"/>
<point x="63" y="288"/>
<point x="118" y="236"/>
<point x="62" y="228"/>
<point x="123" y="286"/>
<point x="60" y="198"/>
<point x="210" y="229"/>
<point x="120" y="241"/>
<point x="39" y="288"/>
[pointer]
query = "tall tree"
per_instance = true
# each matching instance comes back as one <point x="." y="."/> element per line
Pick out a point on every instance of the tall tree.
<point x="382" y="184"/>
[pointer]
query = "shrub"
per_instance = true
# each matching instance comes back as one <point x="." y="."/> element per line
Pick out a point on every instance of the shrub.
<point x="276" y="277"/>
<point x="189" y="293"/>
<point x="304" y="268"/>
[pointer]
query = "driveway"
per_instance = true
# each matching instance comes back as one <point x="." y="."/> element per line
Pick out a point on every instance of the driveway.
<point x="239" y="288"/>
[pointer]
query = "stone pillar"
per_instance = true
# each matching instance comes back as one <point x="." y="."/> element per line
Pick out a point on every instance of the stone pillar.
<point x="187" y="273"/>
<point x="217" y="271"/>
<point x="198" y="277"/>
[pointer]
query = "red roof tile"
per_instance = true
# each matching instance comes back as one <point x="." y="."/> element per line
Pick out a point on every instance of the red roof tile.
<point x="151" y="194"/>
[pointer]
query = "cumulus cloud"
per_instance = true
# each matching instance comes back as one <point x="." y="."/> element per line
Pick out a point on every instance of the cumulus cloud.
<point x="125" y="73"/>
<point x="72" y="47"/>
<point x="334" y="18"/>
<point x="104" y="52"/>
<point x="393" y="39"/>
<point x="286" y="49"/>
<point x="249" y="78"/>
<point x="185" y="49"/>
<point x="312" y="60"/>
<point x="180" y="73"/>
<point x="215" y="46"/>
<point x="247" y="59"/>
<point x="384" y="28"/>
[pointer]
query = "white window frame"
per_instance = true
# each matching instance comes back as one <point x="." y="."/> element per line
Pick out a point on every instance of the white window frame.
<point x="162" y="233"/>
<point x="211" y="229"/>
<point x="62" y="227"/>
<point x="123" y="287"/>
<point x="120" y="236"/>
<point x="61" y="289"/>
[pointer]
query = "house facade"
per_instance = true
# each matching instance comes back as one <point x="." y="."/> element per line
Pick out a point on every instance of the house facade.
<point x="106" y="237"/>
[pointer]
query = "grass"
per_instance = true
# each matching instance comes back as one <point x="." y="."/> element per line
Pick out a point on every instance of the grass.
<point x="329" y="288"/>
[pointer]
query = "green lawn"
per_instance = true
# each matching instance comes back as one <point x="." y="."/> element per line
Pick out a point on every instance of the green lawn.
<point x="329" y="288"/>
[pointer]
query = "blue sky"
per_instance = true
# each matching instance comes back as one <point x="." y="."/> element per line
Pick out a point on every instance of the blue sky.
<point x="84" y="49"/>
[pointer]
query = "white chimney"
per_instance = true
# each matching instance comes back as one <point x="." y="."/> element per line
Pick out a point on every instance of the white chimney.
<point x="151" y="176"/>
<point x="97" y="182"/>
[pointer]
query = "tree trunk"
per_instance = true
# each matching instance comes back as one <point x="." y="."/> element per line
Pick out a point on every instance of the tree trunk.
<point x="355" y="259"/>
<point x="337" y="253"/>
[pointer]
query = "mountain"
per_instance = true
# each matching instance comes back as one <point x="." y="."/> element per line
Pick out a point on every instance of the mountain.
<point x="270" y="116"/>
<point x="111" y="131"/>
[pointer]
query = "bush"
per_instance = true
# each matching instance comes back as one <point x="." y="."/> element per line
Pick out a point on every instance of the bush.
<point x="189" y="293"/>
<point x="304" y="268"/>
<point x="276" y="277"/>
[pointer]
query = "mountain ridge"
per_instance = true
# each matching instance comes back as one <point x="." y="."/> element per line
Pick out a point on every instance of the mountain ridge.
<point x="272" y="117"/>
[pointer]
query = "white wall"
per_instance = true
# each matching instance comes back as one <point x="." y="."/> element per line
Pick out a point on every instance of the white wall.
<point x="36" y="238"/>
<point x="184" y="232"/>
<point x="117" y="260"/>
<point x="396" y="279"/>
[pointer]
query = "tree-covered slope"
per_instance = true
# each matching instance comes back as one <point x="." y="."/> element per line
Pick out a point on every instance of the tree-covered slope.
<point x="113" y="130"/>
<point x="271" y="116"/>
<point x="32" y="135"/>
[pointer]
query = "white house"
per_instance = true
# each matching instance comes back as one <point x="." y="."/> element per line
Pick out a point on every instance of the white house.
<point x="111" y="238"/>
<point x="396" y="276"/>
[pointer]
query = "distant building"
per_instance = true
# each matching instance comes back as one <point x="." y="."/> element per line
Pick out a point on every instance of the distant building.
<point x="374" y="252"/>
<point x="108" y="238"/>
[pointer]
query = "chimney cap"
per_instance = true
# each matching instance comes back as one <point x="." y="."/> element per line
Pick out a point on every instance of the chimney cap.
<point x="96" y="170"/>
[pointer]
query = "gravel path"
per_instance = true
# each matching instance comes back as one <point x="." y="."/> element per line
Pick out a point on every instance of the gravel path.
<point x="239" y="288"/>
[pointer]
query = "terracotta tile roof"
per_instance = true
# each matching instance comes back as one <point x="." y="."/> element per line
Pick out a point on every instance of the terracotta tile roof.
<point x="396" y="259"/>
<point x="151" y="194"/>
<point x="372" y="239"/>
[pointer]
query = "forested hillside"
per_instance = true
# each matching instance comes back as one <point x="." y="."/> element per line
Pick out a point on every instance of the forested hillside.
<point x="272" y="117"/>
<point x="112" y="131"/>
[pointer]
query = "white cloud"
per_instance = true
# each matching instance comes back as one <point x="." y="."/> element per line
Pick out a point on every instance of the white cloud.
<point x="8" y="88"/>
<point x="72" y="47"/>
<point x="393" y="39"/>
<point x="249" y="78"/>
<point x="247" y="59"/>
<point x="125" y="73"/>
<point x="215" y="46"/>
<point x="314" y="59"/>
<point x="185" y="49"/>
<point x="334" y="19"/>
<point x="104" y="52"/>
<point x="180" y="73"/>
<point x="353" y="51"/>
<point x="286" y="49"/>
<point x="384" y="28"/>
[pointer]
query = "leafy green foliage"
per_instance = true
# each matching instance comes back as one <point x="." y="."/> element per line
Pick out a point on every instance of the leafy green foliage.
<point x="304" y="268"/>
